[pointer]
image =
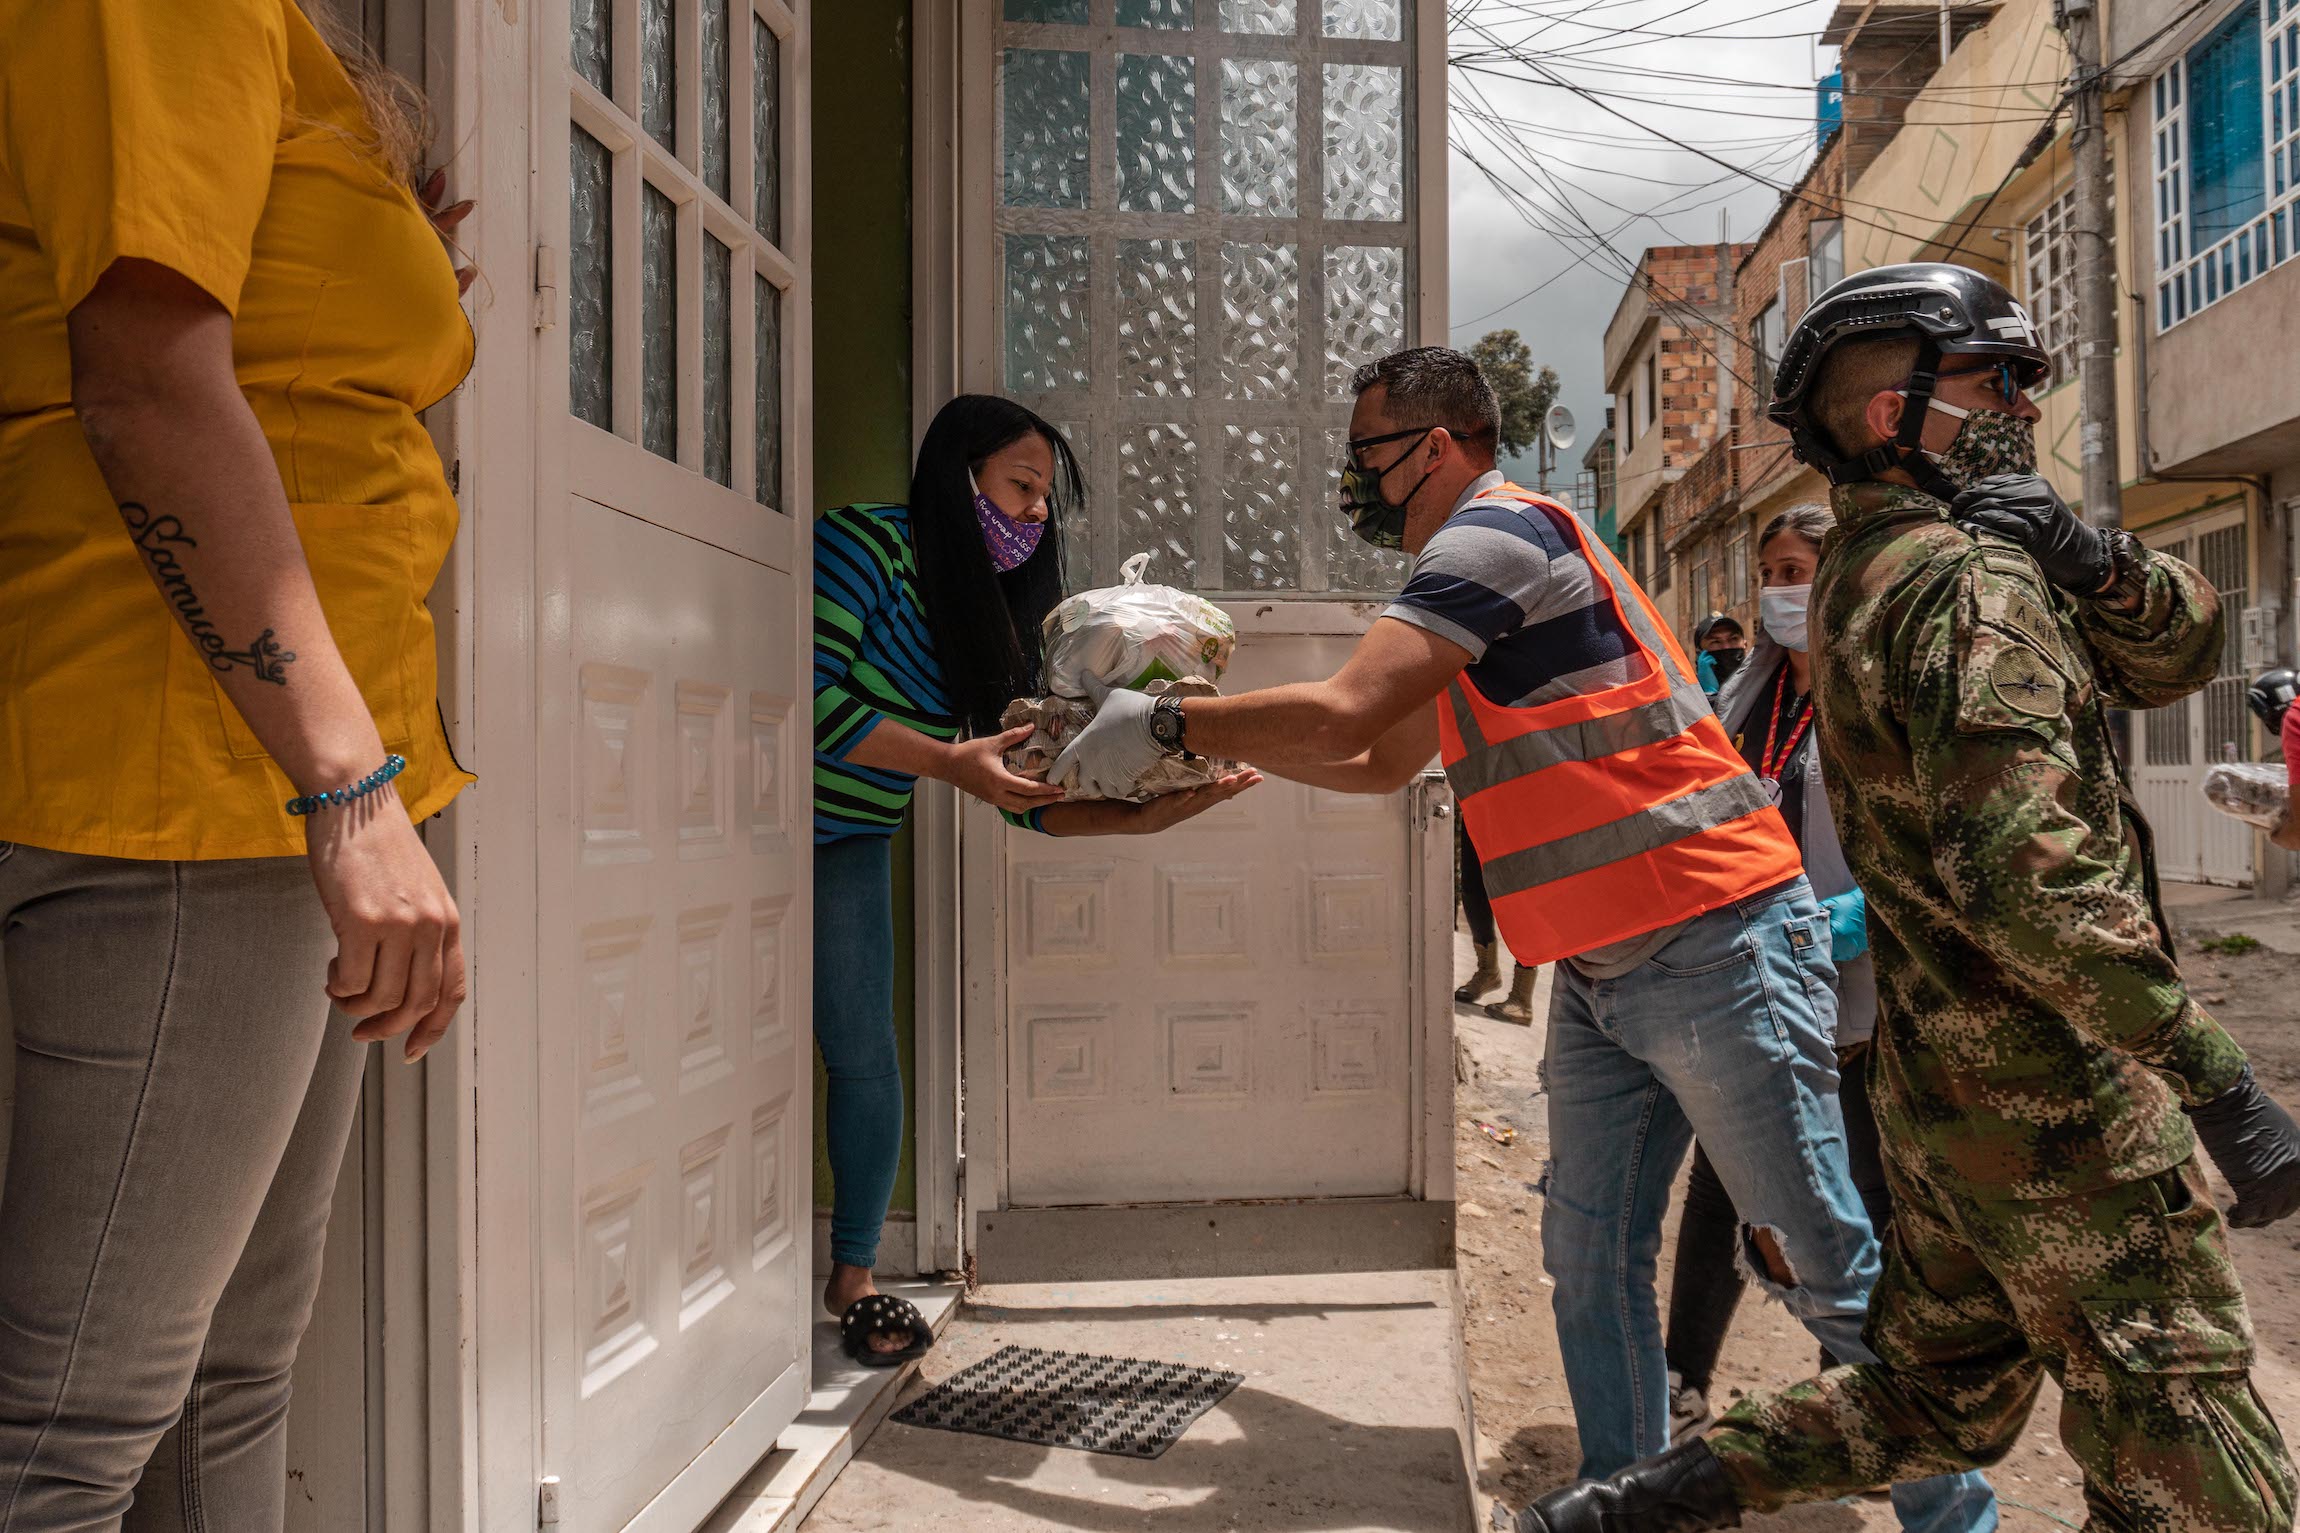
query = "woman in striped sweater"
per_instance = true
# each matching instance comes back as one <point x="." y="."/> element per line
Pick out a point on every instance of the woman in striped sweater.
<point x="926" y="626"/>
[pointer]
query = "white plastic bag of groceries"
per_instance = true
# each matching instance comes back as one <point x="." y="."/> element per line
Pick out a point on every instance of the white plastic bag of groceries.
<point x="2251" y="791"/>
<point x="1133" y="634"/>
<point x="1055" y="722"/>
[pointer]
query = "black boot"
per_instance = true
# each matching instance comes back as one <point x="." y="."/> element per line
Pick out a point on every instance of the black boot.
<point x="1681" y="1491"/>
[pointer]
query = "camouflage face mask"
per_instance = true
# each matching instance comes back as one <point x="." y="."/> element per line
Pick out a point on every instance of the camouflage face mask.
<point x="1990" y="442"/>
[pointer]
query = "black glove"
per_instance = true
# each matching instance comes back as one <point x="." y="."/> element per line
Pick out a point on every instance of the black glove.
<point x="2256" y="1145"/>
<point x="2024" y="509"/>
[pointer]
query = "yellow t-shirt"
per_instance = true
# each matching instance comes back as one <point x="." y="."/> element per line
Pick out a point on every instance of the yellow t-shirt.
<point x="223" y="140"/>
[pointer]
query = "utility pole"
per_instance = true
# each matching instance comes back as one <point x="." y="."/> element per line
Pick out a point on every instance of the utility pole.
<point x="2096" y="302"/>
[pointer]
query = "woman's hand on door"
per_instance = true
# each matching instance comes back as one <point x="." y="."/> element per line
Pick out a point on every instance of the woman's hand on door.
<point x="978" y="768"/>
<point x="445" y="218"/>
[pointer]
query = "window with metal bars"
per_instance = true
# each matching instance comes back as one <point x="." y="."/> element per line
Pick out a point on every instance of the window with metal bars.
<point x="2048" y="249"/>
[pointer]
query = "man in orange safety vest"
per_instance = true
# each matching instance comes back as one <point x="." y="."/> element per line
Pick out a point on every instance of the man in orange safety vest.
<point x="1621" y="836"/>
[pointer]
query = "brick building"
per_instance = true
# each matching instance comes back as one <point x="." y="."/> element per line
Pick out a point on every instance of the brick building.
<point x="1713" y="514"/>
<point x="1662" y="366"/>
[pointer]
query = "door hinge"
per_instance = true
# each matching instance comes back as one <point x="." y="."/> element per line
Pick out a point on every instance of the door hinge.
<point x="547" y="1502"/>
<point x="546" y="287"/>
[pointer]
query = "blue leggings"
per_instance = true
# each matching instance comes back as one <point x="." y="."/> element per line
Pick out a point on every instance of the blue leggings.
<point x="854" y="1028"/>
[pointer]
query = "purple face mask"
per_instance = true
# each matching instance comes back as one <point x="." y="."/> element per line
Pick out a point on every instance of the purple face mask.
<point x="1011" y="543"/>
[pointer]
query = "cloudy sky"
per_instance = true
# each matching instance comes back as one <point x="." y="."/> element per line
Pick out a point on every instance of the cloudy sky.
<point x="1732" y="77"/>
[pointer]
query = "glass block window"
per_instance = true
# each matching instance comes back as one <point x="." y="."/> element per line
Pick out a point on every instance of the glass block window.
<point x="1262" y="18"/>
<point x="675" y="288"/>
<point x="1205" y="227"/>
<point x="1364" y="18"/>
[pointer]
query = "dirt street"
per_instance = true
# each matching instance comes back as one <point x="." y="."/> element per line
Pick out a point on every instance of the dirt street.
<point x="1526" y="1441"/>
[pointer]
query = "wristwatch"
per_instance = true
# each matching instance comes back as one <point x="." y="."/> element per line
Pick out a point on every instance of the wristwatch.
<point x="2128" y="567"/>
<point x="1167" y="726"/>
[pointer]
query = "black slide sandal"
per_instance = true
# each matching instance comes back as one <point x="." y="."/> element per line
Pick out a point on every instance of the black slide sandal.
<point x="884" y="1315"/>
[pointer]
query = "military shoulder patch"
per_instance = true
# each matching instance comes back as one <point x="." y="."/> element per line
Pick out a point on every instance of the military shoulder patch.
<point x="2020" y="680"/>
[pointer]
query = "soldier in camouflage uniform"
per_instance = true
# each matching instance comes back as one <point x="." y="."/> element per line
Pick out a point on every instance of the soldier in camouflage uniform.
<point x="2040" y="1074"/>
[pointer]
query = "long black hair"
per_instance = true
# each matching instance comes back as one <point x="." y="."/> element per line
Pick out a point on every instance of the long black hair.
<point x="985" y="624"/>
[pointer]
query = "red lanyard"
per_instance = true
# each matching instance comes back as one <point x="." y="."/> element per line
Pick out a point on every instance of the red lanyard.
<point x="1769" y="764"/>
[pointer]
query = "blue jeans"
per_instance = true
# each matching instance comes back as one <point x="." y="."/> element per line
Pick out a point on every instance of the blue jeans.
<point x="854" y="1028"/>
<point x="1726" y="1033"/>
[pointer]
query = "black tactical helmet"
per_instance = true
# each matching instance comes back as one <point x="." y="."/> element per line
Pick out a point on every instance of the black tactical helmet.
<point x="1953" y="310"/>
<point x="2270" y="694"/>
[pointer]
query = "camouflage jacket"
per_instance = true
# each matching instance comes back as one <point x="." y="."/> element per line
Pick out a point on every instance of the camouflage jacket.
<point x="2034" y="1034"/>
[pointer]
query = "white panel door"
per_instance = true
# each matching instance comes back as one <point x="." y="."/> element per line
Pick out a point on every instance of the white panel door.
<point x="672" y="900"/>
<point x="1207" y="216"/>
<point x="1222" y="1012"/>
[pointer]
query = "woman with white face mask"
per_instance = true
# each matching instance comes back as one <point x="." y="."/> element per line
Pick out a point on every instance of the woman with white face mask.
<point x="1768" y="713"/>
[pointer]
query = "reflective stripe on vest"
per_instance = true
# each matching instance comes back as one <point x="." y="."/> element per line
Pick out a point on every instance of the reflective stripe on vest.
<point x="1605" y="815"/>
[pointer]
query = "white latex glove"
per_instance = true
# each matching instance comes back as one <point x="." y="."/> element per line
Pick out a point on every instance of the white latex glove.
<point x="1113" y="751"/>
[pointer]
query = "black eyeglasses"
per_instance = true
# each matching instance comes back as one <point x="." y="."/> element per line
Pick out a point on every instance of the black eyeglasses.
<point x="1357" y="445"/>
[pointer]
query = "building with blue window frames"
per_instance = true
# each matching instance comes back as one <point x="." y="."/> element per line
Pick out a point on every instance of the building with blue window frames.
<point x="2212" y="116"/>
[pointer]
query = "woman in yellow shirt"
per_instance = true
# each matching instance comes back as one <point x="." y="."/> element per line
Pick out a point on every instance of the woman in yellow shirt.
<point x="221" y="308"/>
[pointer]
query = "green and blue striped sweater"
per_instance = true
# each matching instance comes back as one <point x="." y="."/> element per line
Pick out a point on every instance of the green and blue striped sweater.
<point x="874" y="661"/>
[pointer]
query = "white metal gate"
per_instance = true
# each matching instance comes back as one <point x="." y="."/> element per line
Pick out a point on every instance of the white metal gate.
<point x="1208" y="212"/>
<point x="673" y="859"/>
<point x="2194" y="842"/>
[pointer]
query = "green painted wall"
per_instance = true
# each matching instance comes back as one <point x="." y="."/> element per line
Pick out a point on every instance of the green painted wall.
<point x="861" y="91"/>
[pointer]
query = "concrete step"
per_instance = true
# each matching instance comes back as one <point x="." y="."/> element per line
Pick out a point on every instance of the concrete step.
<point x="846" y="1406"/>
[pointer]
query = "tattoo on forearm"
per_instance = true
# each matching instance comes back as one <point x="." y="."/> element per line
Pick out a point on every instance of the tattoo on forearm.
<point x="158" y="537"/>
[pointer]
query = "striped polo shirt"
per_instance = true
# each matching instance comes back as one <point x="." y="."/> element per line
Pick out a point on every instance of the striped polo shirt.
<point x="874" y="661"/>
<point x="1506" y="581"/>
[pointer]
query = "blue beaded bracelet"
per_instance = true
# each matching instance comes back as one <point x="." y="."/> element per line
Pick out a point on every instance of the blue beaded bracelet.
<point x="314" y="803"/>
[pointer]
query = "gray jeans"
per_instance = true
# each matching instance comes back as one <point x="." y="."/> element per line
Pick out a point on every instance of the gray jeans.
<point x="183" y="1095"/>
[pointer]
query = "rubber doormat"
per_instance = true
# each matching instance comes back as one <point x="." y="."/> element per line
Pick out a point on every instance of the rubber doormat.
<point x="1069" y="1400"/>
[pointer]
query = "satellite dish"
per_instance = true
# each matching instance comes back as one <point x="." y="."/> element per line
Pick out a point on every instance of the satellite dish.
<point x="1559" y="426"/>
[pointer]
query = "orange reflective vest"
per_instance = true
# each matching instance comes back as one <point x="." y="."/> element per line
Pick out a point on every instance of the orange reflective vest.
<point x="1607" y="815"/>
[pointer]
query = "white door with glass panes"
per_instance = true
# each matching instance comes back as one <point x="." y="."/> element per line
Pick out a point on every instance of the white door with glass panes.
<point x="1208" y="213"/>
<point x="2196" y="843"/>
<point x="672" y="905"/>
